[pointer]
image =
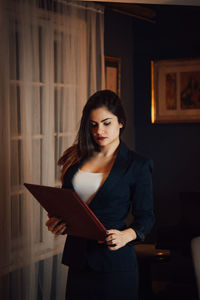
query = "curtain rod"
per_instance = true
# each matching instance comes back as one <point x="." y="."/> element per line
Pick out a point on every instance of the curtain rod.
<point x="88" y="6"/>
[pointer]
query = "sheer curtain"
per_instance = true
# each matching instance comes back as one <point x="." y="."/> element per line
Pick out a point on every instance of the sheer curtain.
<point x="51" y="60"/>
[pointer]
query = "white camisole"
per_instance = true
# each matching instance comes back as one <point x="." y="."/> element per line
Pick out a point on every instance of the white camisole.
<point x="86" y="184"/>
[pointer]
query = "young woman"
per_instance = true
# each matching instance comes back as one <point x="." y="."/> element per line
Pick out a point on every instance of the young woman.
<point x="109" y="178"/>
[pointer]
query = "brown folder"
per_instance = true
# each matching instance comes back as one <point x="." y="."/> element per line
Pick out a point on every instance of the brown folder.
<point x="70" y="208"/>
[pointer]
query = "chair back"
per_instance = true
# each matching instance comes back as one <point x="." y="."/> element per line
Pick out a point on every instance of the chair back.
<point x="195" y="247"/>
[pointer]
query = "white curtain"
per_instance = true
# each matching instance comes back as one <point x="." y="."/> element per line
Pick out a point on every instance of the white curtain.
<point x="51" y="60"/>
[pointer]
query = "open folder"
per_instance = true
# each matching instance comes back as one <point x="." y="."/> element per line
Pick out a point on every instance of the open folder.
<point x="70" y="208"/>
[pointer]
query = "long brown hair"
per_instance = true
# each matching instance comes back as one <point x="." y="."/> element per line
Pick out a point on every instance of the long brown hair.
<point x="84" y="144"/>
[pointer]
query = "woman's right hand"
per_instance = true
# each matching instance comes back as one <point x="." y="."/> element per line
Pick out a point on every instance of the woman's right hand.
<point x="56" y="225"/>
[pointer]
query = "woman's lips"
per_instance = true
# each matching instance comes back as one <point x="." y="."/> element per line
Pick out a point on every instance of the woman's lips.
<point x="101" y="138"/>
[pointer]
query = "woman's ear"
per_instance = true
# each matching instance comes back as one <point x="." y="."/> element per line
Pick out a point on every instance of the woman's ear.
<point x="121" y="125"/>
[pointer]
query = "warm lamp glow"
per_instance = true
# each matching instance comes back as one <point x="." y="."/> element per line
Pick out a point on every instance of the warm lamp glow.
<point x="152" y="94"/>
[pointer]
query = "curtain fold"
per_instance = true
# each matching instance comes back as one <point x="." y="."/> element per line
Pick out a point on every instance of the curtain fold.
<point x="51" y="61"/>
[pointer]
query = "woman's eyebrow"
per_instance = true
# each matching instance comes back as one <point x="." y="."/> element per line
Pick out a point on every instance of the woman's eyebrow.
<point x="101" y="120"/>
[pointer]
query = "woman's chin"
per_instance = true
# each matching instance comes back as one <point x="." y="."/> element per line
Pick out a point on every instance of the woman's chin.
<point x="102" y="142"/>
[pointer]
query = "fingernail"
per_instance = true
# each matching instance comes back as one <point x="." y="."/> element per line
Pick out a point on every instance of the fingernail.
<point x="107" y="232"/>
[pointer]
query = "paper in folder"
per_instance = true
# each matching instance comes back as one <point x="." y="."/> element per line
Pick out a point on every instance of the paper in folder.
<point x="70" y="208"/>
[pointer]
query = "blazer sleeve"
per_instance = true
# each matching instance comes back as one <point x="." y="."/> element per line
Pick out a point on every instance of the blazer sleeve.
<point x="142" y="202"/>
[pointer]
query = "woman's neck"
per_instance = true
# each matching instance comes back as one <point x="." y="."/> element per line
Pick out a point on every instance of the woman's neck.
<point x="109" y="150"/>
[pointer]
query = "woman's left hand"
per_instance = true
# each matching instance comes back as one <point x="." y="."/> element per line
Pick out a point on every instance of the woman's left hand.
<point x="116" y="239"/>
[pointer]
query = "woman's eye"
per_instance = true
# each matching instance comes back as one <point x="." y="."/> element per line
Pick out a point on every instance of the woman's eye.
<point x="108" y="123"/>
<point x="93" y="125"/>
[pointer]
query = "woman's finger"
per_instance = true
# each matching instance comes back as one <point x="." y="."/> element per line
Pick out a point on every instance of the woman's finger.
<point x="110" y="237"/>
<point x="53" y="223"/>
<point x="114" y="247"/>
<point x="52" y="226"/>
<point x="60" y="229"/>
<point x="48" y="222"/>
<point x="111" y="231"/>
<point x="111" y="242"/>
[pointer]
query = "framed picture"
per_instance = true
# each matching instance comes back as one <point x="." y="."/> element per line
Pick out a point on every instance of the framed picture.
<point x="113" y="74"/>
<point x="175" y="91"/>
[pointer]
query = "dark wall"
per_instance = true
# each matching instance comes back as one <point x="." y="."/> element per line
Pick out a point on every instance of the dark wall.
<point x="175" y="148"/>
<point x="118" y="39"/>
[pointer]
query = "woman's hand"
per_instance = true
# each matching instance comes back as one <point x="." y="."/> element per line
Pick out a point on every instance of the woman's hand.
<point x="116" y="239"/>
<point x="56" y="225"/>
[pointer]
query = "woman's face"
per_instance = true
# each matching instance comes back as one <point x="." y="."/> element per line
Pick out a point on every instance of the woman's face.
<point x="104" y="126"/>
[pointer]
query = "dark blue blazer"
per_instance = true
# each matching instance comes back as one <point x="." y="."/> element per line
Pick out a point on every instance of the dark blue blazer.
<point x="129" y="182"/>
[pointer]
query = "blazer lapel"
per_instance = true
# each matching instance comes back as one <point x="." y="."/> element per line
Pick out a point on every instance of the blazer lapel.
<point x="119" y="168"/>
<point x="70" y="174"/>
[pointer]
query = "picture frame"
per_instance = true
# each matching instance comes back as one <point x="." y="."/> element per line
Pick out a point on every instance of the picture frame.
<point x="175" y="91"/>
<point x="113" y="74"/>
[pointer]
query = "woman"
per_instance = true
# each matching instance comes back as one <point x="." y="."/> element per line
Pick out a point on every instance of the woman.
<point x="109" y="178"/>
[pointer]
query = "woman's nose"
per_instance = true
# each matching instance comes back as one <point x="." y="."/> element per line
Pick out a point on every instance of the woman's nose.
<point x="99" y="130"/>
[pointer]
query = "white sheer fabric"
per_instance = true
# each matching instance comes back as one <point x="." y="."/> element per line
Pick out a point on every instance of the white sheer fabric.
<point x="51" y="60"/>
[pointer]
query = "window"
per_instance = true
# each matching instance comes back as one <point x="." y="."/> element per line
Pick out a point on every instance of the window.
<point x="44" y="113"/>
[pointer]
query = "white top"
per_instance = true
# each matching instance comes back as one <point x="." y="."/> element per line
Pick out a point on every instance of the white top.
<point x="86" y="184"/>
